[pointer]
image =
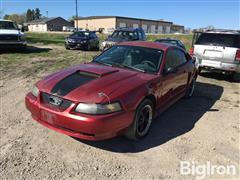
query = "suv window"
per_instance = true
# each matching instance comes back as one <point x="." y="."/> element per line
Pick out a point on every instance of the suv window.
<point x="174" y="58"/>
<point x="228" y="40"/>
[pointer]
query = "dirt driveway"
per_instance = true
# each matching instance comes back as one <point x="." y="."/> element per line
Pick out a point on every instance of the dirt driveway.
<point x="200" y="130"/>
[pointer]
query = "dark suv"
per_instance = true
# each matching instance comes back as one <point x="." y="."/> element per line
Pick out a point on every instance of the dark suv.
<point x="82" y="40"/>
<point x="123" y="34"/>
<point x="174" y="42"/>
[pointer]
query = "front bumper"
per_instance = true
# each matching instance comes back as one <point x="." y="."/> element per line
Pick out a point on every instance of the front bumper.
<point x="76" y="44"/>
<point x="89" y="127"/>
<point x="220" y="66"/>
<point x="6" y="45"/>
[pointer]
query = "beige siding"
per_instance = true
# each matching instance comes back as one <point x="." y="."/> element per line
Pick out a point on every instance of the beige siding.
<point x="37" y="27"/>
<point x="96" y="24"/>
<point x="111" y="23"/>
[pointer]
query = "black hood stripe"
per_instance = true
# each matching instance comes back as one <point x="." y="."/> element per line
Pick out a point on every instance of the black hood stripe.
<point x="71" y="82"/>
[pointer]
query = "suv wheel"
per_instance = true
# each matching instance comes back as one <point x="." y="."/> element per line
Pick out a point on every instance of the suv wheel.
<point x="236" y="77"/>
<point x="142" y="121"/>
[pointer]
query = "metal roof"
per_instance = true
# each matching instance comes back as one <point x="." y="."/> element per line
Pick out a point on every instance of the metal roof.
<point x="122" y="17"/>
<point x="42" y="20"/>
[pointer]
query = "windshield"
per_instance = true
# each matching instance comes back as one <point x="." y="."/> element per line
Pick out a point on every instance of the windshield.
<point x="132" y="57"/>
<point x="7" y="25"/>
<point x="124" y="35"/>
<point x="228" y="40"/>
<point x="81" y="34"/>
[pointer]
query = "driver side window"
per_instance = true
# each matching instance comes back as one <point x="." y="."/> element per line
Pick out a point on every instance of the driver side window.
<point x="174" y="58"/>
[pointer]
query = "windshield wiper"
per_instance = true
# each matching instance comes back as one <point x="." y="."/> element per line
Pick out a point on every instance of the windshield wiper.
<point x="129" y="67"/>
<point x="103" y="63"/>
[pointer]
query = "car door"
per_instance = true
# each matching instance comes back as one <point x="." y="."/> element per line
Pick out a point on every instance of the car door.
<point x="174" y="76"/>
<point x="166" y="82"/>
<point x="181" y="72"/>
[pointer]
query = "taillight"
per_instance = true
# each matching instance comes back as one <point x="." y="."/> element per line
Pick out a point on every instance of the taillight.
<point x="237" y="57"/>
<point x="191" y="51"/>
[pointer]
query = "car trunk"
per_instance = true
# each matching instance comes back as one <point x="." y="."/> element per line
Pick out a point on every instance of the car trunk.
<point x="217" y="47"/>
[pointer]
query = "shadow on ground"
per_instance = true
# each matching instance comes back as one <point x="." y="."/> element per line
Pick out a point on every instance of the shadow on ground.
<point x="176" y="121"/>
<point x="28" y="50"/>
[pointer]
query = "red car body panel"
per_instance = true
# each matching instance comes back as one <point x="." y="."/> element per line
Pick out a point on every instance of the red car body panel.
<point x="123" y="85"/>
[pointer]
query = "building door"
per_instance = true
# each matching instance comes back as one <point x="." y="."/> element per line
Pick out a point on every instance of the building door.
<point x="144" y="26"/>
<point x="135" y="26"/>
<point x="160" y="29"/>
<point x="153" y="29"/>
<point x="122" y="25"/>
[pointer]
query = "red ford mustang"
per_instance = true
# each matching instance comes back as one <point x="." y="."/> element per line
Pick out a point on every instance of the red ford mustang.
<point x="119" y="92"/>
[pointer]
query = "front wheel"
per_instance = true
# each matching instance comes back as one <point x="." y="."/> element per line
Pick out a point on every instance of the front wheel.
<point x="142" y="121"/>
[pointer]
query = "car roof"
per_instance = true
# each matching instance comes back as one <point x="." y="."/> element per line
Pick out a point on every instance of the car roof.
<point x="147" y="44"/>
<point x="6" y="20"/>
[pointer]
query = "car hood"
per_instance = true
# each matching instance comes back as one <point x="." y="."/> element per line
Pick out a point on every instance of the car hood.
<point x="83" y="83"/>
<point x="9" y="31"/>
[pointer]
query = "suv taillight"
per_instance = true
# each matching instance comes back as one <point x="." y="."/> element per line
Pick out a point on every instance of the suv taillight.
<point x="191" y="51"/>
<point x="237" y="57"/>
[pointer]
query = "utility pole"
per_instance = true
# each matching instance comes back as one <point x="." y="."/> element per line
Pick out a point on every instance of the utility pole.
<point x="77" y="14"/>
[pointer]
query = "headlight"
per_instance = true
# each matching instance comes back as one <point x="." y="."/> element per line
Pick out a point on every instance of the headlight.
<point x="83" y="41"/>
<point x="104" y="43"/>
<point x="35" y="91"/>
<point x="98" y="108"/>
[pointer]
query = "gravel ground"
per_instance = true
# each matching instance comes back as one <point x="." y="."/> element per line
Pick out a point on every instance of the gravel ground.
<point x="204" y="128"/>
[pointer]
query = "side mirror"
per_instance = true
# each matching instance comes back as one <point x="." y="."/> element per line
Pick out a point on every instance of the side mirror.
<point x="170" y="70"/>
<point x="194" y="59"/>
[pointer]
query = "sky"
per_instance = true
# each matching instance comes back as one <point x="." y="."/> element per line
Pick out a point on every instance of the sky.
<point x="190" y="13"/>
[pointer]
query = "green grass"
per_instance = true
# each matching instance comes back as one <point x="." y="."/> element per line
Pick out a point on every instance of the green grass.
<point x="46" y="38"/>
<point x="58" y="38"/>
<point x="46" y="53"/>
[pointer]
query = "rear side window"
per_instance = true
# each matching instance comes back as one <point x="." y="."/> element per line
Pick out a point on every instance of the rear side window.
<point x="227" y="40"/>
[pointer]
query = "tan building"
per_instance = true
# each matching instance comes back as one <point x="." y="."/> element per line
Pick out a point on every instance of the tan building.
<point x="48" y="24"/>
<point x="109" y="23"/>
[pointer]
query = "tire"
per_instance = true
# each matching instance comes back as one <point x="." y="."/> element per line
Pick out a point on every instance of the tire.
<point x="191" y="88"/>
<point x="142" y="121"/>
<point x="88" y="47"/>
<point x="236" y="77"/>
<point x="199" y="70"/>
<point x="67" y="48"/>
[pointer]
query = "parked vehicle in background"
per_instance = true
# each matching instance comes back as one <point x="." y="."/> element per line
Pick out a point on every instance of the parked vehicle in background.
<point x="87" y="40"/>
<point x="11" y="36"/>
<point x="120" y="92"/>
<point x="172" y="41"/>
<point x="218" y="50"/>
<point x="123" y="34"/>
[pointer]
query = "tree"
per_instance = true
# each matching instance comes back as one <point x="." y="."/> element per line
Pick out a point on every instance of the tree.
<point x="37" y="13"/>
<point x="33" y="14"/>
<point x="18" y="18"/>
<point x="29" y="15"/>
<point x="6" y="16"/>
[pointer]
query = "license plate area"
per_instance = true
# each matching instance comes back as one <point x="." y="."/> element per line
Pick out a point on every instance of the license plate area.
<point x="48" y="117"/>
<point x="211" y="63"/>
<point x="213" y="54"/>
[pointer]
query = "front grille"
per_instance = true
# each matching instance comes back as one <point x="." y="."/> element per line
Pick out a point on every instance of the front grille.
<point x="9" y="37"/>
<point x="45" y="101"/>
